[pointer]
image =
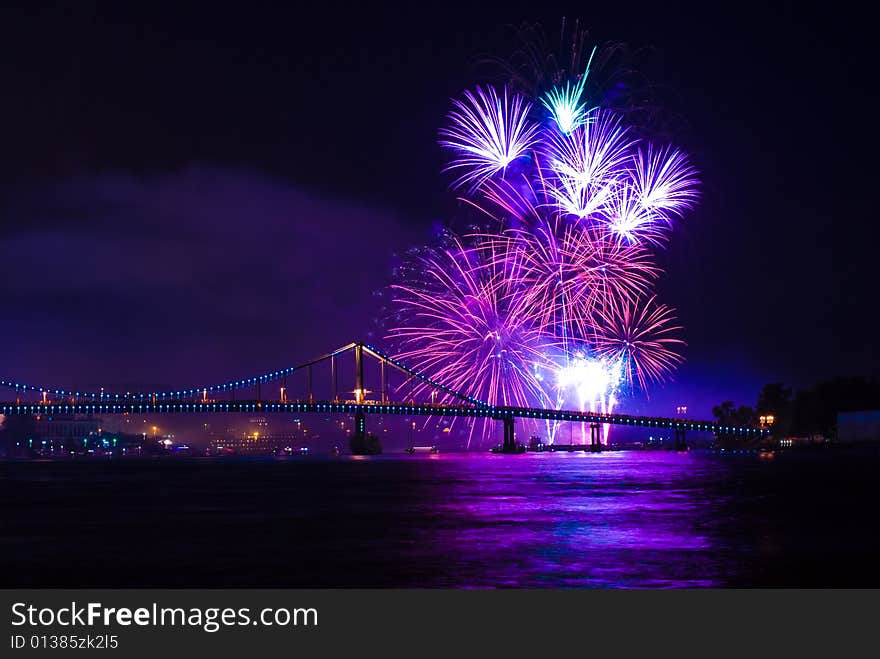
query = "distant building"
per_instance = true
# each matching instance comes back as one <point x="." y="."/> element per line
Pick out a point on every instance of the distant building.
<point x="857" y="427"/>
<point x="62" y="436"/>
<point x="256" y="444"/>
<point x="66" y="429"/>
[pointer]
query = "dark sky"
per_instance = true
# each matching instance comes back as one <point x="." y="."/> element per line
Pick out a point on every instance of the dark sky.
<point x="199" y="192"/>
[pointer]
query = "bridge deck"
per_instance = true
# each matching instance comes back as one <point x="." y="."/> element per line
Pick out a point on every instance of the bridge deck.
<point x="369" y="407"/>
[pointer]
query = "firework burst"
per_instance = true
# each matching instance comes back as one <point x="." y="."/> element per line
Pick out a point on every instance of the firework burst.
<point x="627" y="219"/>
<point x="554" y="304"/>
<point x="642" y="336"/>
<point x="564" y="272"/>
<point x="594" y="383"/>
<point x="564" y="102"/>
<point x="665" y="181"/>
<point x="488" y="132"/>
<point x="466" y="322"/>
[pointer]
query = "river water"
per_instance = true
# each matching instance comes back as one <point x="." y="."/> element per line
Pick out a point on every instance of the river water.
<point x="647" y="519"/>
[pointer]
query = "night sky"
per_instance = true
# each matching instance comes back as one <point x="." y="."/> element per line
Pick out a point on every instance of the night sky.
<point x="195" y="192"/>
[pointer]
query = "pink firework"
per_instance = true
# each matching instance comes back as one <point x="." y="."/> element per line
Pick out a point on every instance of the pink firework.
<point x="642" y="336"/>
<point x="466" y="323"/>
<point x="566" y="271"/>
<point x="518" y="201"/>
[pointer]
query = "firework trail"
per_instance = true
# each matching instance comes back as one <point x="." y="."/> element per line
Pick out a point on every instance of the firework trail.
<point x="565" y="105"/>
<point x="616" y="77"/>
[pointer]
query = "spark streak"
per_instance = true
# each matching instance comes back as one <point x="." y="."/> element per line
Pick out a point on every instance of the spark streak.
<point x="488" y="132"/>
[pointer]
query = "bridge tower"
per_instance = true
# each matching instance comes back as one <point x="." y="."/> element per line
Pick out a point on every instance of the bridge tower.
<point x="680" y="441"/>
<point x="359" y="392"/>
<point x="595" y="437"/>
<point x="360" y="423"/>
<point x="362" y="442"/>
<point x="509" y="443"/>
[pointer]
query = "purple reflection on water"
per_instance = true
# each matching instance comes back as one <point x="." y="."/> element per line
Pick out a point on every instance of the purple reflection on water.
<point x="608" y="520"/>
<point x="649" y="519"/>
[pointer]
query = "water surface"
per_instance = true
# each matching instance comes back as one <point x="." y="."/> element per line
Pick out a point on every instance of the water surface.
<point x="617" y="519"/>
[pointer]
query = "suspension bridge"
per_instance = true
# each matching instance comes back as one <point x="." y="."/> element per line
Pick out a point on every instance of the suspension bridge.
<point x="400" y="391"/>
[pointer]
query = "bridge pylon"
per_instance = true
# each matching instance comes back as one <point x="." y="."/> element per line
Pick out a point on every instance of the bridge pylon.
<point x="360" y="422"/>
<point x="680" y="441"/>
<point x="508" y="444"/>
<point x="360" y="391"/>
<point x="595" y="437"/>
<point x="362" y="442"/>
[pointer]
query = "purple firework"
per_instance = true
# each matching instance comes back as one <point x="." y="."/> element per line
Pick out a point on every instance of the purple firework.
<point x="467" y="323"/>
<point x="487" y="131"/>
<point x="565" y="272"/>
<point x="566" y="275"/>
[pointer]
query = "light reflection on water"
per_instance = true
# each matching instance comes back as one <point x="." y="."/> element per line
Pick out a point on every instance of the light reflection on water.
<point x="578" y="519"/>
<point x="616" y="519"/>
